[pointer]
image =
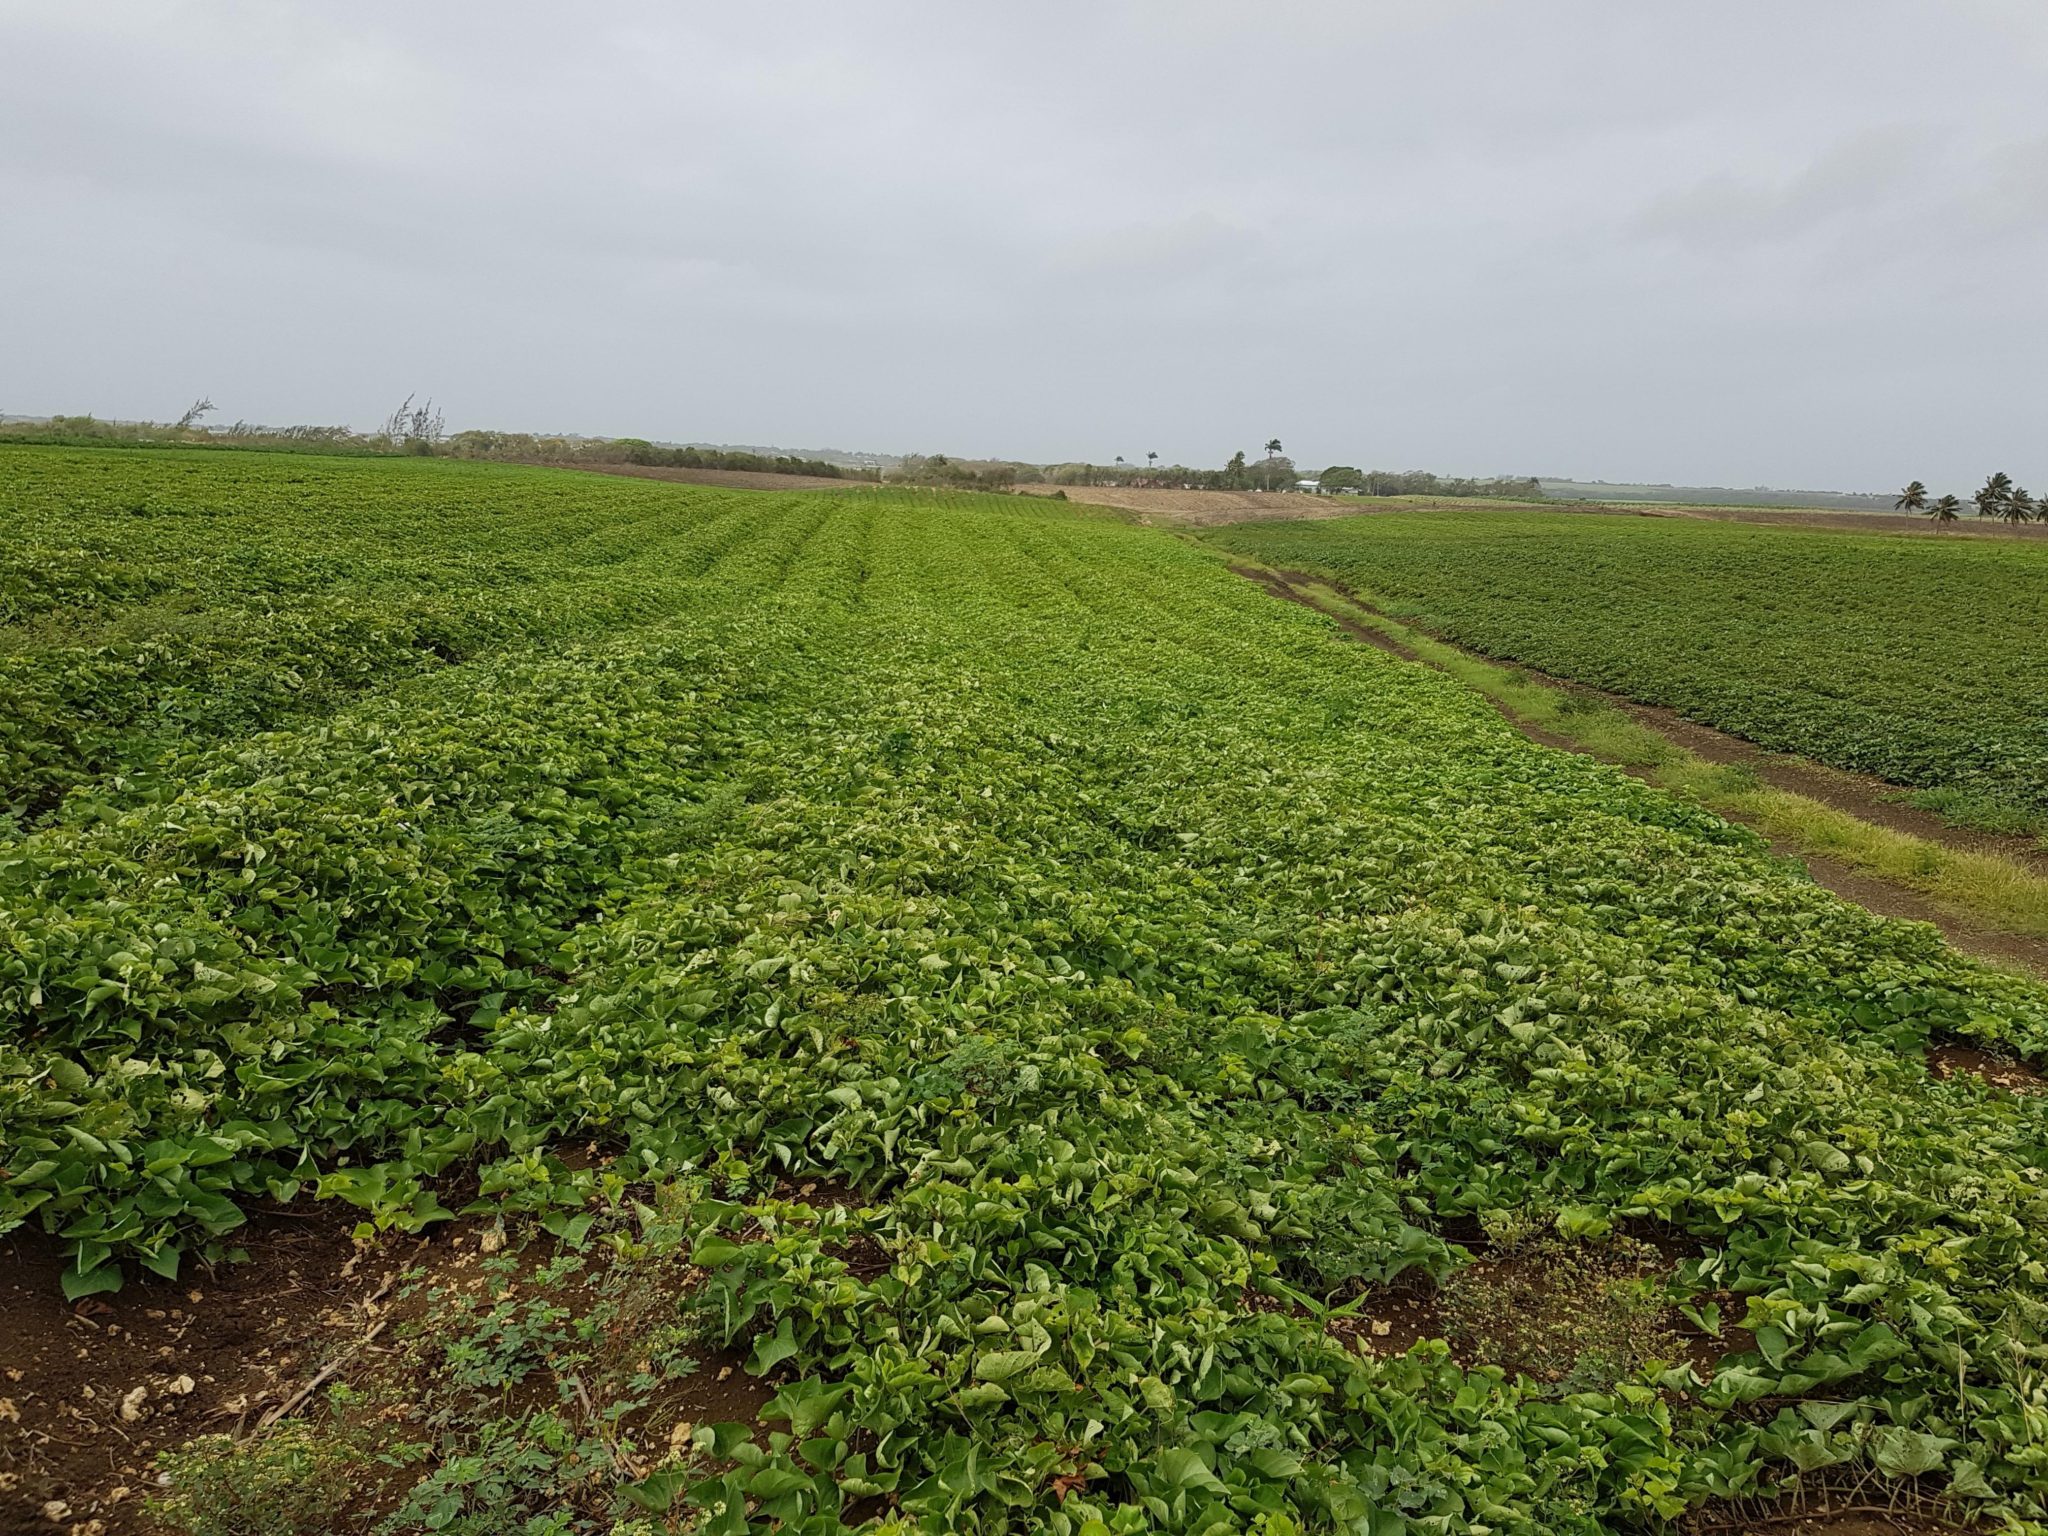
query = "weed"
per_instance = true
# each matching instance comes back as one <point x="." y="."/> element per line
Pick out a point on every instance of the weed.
<point x="299" y="1476"/>
<point x="1578" y="1315"/>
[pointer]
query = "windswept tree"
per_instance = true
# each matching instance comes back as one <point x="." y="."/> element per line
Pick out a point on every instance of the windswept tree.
<point x="201" y="407"/>
<point x="1992" y="496"/>
<point x="1912" y="499"/>
<point x="1273" y="448"/>
<point x="1945" y="511"/>
<point x="2019" y="506"/>
<point x="1275" y="473"/>
<point x="415" y="428"/>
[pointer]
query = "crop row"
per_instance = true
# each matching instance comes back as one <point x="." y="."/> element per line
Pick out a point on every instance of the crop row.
<point x="148" y="609"/>
<point x="1922" y="662"/>
<point x="1157" y="966"/>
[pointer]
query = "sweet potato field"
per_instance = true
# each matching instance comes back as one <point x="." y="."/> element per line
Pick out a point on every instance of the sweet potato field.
<point x="1922" y="661"/>
<point x="1065" y="1005"/>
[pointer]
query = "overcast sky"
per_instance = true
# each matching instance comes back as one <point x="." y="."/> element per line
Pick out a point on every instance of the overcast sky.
<point x="1727" y="241"/>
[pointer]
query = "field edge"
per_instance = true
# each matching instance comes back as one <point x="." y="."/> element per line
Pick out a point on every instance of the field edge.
<point x="1986" y="903"/>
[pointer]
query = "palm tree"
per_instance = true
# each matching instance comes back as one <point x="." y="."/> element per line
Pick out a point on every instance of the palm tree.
<point x="1912" y="499"/>
<point x="1992" y="498"/>
<point x="1944" y="511"/>
<point x="1152" y="459"/>
<point x="1273" y="448"/>
<point x="2019" y="506"/>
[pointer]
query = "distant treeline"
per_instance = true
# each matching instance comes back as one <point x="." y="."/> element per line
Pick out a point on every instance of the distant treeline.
<point x="962" y="474"/>
<point x="417" y="430"/>
<point x="90" y="431"/>
<point x="412" y="431"/>
<point x="1343" y="479"/>
<point x="1277" y="472"/>
<point x="530" y="447"/>
<point x="1711" y="495"/>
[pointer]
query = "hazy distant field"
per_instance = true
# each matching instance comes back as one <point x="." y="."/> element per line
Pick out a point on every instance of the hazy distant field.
<point x="1921" y="660"/>
<point x="1712" y="495"/>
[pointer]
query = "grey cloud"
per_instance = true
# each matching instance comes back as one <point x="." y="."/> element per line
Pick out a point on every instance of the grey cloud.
<point x="1737" y="243"/>
<point x="1872" y="173"/>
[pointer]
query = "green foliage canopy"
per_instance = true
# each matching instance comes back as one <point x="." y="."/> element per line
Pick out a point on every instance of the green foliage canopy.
<point x="1158" y="965"/>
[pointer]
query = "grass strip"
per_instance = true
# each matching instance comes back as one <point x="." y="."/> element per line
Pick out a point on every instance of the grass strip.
<point x="1983" y="888"/>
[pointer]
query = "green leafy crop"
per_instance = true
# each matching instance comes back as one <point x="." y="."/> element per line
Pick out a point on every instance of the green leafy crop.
<point x="1165" y="977"/>
<point x="1917" y="659"/>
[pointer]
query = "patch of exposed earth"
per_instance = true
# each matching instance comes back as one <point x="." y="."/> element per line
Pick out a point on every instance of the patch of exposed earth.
<point x="1164" y="507"/>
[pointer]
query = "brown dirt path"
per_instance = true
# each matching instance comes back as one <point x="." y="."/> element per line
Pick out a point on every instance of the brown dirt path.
<point x="1841" y="791"/>
<point x="1971" y="526"/>
<point x="1859" y="795"/>
<point x="1866" y="798"/>
<point x="1214" y="509"/>
<point x="1197" y="509"/>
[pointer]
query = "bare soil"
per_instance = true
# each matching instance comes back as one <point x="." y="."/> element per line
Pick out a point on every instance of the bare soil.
<point x="1868" y="799"/>
<point x="230" y="1352"/>
<point x="1202" y="509"/>
<point x="1888" y="900"/>
<point x="1536" y="1311"/>
<point x="1213" y="509"/>
<point x="1970" y="527"/>
<point x="1946" y="1060"/>
<point x="1821" y="1518"/>
<point x="208" y="1353"/>
<point x="231" y="1349"/>
<point x="1393" y="1321"/>
<point x="1282" y="587"/>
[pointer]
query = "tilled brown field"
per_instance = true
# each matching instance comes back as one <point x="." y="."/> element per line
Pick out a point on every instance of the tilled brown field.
<point x="1211" y="509"/>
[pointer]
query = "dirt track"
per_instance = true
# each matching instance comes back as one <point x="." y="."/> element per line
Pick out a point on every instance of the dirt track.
<point x="1866" y="799"/>
<point x="1855" y="522"/>
<point x="1201" y="509"/>
<point x="1211" y="509"/>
